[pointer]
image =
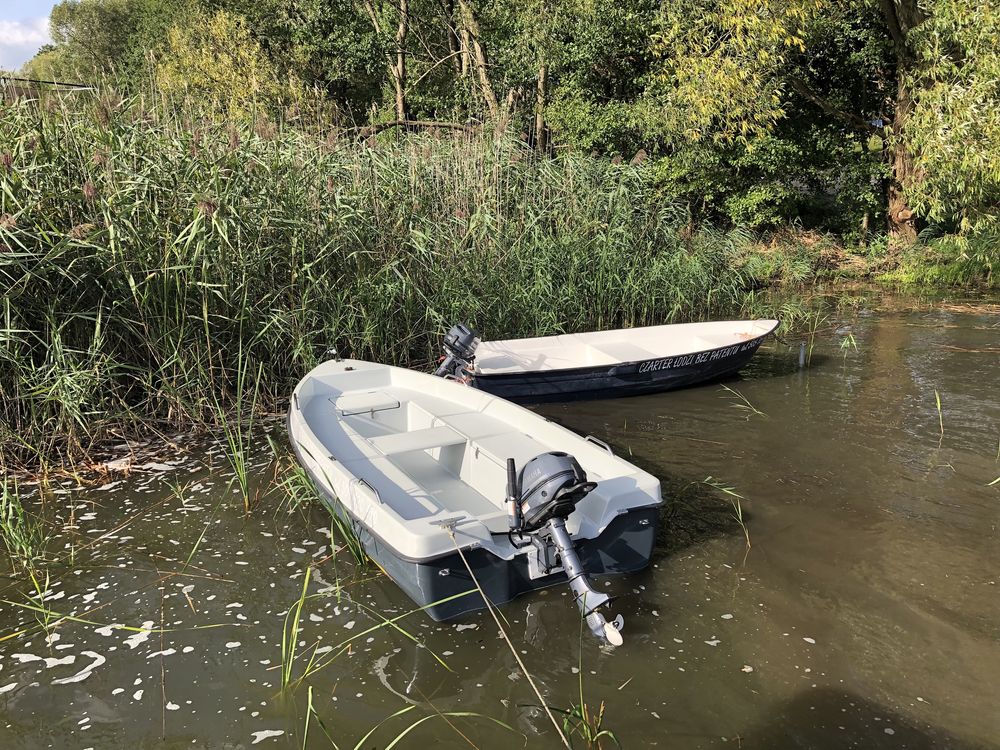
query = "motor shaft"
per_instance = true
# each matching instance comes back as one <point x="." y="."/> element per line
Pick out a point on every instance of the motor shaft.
<point x="587" y="598"/>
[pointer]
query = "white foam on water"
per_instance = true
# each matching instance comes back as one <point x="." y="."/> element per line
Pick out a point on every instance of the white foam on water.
<point x="171" y="706"/>
<point x="187" y="649"/>
<point x="137" y="695"/>
<point x="141" y="637"/>
<point x="233" y="644"/>
<point x="7" y="688"/>
<point x="49" y="661"/>
<point x="164" y="652"/>
<point x="118" y="691"/>
<point x="809" y="640"/>
<point x="84" y="673"/>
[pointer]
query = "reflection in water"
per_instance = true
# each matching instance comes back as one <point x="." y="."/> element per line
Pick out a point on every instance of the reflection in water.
<point x="865" y="614"/>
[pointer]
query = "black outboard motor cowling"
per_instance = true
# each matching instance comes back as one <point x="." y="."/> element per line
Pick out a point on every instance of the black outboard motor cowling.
<point x="539" y="500"/>
<point x="460" y="352"/>
<point x="551" y="485"/>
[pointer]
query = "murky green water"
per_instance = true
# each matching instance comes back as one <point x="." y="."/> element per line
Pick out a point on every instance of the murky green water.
<point x="865" y="614"/>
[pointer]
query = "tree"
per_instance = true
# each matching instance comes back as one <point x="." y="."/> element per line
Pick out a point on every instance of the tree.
<point x="732" y="70"/>
<point x="217" y="63"/>
<point x="948" y="110"/>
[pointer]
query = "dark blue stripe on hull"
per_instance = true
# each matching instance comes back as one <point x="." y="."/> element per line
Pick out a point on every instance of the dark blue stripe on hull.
<point x="629" y="379"/>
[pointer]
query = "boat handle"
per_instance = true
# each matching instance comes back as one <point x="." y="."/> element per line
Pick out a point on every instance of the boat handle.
<point x="601" y="443"/>
<point x="374" y="491"/>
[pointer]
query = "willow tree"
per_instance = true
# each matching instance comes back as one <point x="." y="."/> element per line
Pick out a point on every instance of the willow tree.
<point x="216" y="63"/>
<point x="730" y="71"/>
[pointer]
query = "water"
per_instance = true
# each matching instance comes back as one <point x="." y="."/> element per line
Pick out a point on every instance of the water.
<point x="864" y="614"/>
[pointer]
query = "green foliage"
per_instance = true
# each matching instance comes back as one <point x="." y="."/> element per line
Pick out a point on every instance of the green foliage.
<point x="766" y="113"/>
<point x="215" y="62"/>
<point x="154" y="260"/>
<point x="954" y="130"/>
<point x="22" y="533"/>
<point x="722" y="64"/>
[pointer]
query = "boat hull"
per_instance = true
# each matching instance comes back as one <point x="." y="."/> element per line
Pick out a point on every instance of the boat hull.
<point x="623" y="379"/>
<point x="443" y="587"/>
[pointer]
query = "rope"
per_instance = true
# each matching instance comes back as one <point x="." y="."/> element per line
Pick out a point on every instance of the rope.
<point x="489" y="606"/>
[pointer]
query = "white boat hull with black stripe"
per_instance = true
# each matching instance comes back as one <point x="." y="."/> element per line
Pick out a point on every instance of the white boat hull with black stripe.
<point x="603" y="364"/>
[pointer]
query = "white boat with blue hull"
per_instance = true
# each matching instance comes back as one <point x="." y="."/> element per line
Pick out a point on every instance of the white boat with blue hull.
<point x="603" y="364"/>
<point x="422" y="467"/>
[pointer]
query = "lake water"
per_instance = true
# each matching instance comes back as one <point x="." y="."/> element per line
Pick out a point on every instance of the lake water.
<point x="864" y="613"/>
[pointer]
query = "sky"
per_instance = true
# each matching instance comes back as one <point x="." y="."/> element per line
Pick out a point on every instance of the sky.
<point x="24" y="27"/>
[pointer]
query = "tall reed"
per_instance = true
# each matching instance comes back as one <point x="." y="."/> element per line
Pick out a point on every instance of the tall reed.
<point x="151" y="259"/>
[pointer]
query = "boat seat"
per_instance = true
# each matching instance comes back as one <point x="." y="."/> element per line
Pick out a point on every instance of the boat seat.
<point x="416" y="440"/>
<point x="361" y="403"/>
<point x="622" y="351"/>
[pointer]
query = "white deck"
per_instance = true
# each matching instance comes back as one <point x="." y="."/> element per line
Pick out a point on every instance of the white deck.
<point x="609" y="348"/>
<point x="405" y="451"/>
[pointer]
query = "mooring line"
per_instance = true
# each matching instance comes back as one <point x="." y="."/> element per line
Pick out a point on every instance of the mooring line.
<point x="489" y="606"/>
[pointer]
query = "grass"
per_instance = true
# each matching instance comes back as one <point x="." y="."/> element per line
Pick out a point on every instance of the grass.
<point x="735" y="499"/>
<point x="22" y="534"/>
<point x="157" y="275"/>
<point x="238" y="427"/>
<point x="742" y="402"/>
<point x="579" y="720"/>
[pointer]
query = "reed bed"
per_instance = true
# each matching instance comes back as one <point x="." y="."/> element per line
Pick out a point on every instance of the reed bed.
<point x="161" y="269"/>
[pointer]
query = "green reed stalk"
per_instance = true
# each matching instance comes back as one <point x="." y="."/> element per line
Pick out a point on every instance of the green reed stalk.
<point x="151" y="254"/>
<point x="22" y="534"/>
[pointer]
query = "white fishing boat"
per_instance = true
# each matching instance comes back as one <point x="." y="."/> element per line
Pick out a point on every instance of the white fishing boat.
<point x="423" y="467"/>
<point x="601" y="364"/>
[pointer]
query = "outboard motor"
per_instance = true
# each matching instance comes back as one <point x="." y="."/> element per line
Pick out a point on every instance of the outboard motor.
<point x="539" y="500"/>
<point x="460" y="352"/>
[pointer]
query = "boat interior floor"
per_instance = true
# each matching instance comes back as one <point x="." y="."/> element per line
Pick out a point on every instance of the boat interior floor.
<point x="427" y="460"/>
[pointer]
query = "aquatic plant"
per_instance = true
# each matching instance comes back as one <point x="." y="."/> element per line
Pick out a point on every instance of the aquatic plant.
<point x="22" y="533"/>
<point x="742" y="402"/>
<point x="238" y="427"/>
<point x="579" y="719"/>
<point x="445" y="715"/>
<point x="937" y="401"/>
<point x="735" y="499"/>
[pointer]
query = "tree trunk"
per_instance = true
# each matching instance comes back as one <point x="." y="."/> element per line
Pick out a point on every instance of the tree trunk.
<point x="466" y="57"/>
<point x="479" y="60"/>
<point x="399" y="69"/>
<point x="454" y="43"/>
<point x="901" y="17"/>
<point x="902" y="221"/>
<point x="541" y="133"/>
